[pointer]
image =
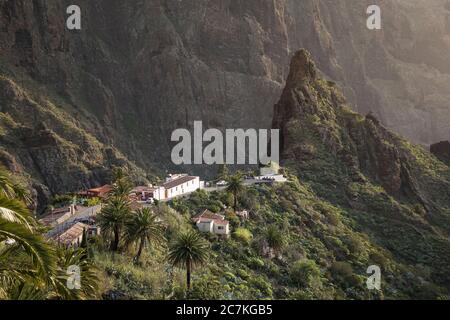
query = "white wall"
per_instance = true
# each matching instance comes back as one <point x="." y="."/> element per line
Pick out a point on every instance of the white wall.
<point x="221" y="229"/>
<point x="184" y="188"/>
<point x="205" y="226"/>
<point x="159" y="193"/>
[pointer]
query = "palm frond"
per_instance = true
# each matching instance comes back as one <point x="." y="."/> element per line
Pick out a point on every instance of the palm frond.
<point x="15" y="211"/>
<point x="10" y="189"/>
<point x="189" y="247"/>
<point x="41" y="253"/>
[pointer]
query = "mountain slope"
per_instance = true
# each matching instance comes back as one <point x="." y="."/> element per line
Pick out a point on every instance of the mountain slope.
<point x="357" y="196"/>
<point x="397" y="193"/>
<point x="50" y="146"/>
<point x="140" y="69"/>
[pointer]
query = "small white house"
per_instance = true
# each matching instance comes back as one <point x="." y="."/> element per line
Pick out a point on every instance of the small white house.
<point x="212" y="223"/>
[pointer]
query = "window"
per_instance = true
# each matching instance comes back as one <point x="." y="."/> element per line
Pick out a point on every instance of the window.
<point x="220" y="228"/>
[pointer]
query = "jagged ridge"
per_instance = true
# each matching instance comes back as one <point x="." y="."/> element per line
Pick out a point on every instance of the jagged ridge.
<point x="398" y="193"/>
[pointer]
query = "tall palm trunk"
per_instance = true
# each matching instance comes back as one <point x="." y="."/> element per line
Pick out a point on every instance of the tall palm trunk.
<point x="188" y="274"/>
<point x="235" y="201"/>
<point x="141" y="247"/>
<point x="115" y="243"/>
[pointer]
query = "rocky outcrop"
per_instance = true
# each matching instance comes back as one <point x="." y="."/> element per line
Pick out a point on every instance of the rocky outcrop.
<point x="441" y="150"/>
<point x="318" y="129"/>
<point x="313" y="108"/>
<point x="394" y="192"/>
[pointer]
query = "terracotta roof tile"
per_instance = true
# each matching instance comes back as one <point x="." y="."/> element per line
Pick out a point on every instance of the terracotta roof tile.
<point x="207" y="216"/>
<point x="71" y="234"/>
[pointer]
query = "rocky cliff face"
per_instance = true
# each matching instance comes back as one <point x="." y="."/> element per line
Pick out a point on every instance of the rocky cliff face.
<point x="139" y="69"/>
<point x="396" y="192"/>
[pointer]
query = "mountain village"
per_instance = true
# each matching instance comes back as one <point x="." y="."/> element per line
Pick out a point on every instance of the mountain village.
<point x="71" y="223"/>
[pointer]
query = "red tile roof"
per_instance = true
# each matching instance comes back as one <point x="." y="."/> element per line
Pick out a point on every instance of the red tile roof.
<point x="71" y="234"/>
<point x="101" y="190"/>
<point x="207" y="216"/>
<point x="221" y="222"/>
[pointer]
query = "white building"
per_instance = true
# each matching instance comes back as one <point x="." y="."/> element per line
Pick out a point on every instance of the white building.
<point x="180" y="184"/>
<point x="212" y="223"/>
<point x="146" y="193"/>
<point x="271" y="169"/>
<point x="270" y="173"/>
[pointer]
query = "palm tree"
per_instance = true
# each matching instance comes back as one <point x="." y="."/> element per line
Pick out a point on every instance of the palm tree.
<point x="235" y="187"/>
<point x="10" y="189"/>
<point x="68" y="257"/>
<point x="30" y="268"/>
<point x="188" y="250"/>
<point x="274" y="239"/>
<point x="24" y="255"/>
<point x="15" y="211"/>
<point x="122" y="185"/>
<point x="144" y="227"/>
<point x="222" y="173"/>
<point x="113" y="218"/>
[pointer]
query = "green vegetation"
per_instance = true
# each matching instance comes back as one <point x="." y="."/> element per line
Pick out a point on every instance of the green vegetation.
<point x="30" y="267"/>
<point x="235" y="187"/>
<point x="188" y="250"/>
<point x="357" y="196"/>
<point x="243" y="235"/>
<point x="144" y="227"/>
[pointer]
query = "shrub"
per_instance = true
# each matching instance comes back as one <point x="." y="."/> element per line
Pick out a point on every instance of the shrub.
<point x="305" y="272"/>
<point x="243" y="235"/>
<point x="262" y="285"/>
<point x="214" y="208"/>
<point x="243" y="274"/>
<point x="207" y="287"/>
<point x="93" y="202"/>
<point x="354" y="245"/>
<point x="255" y="263"/>
<point x="61" y="200"/>
<point x="342" y="269"/>
<point x="379" y="259"/>
<point x="233" y="218"/>
<point x="343" y="272"/>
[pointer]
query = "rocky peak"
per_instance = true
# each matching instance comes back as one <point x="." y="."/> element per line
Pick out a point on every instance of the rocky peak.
<point x="317" y="127"/>
<point x="302" y="69"/>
